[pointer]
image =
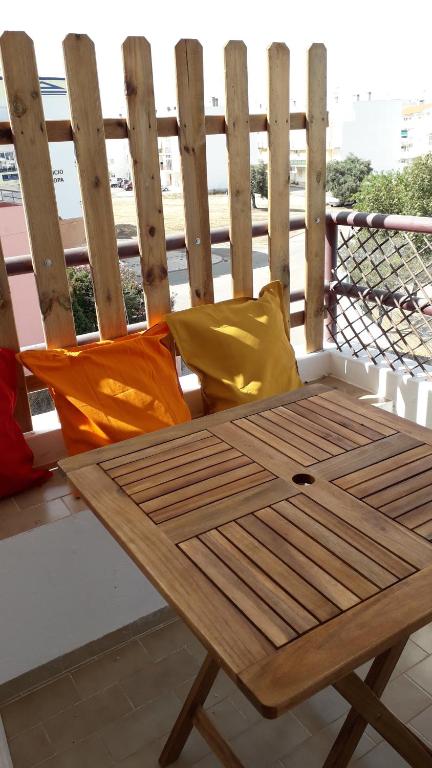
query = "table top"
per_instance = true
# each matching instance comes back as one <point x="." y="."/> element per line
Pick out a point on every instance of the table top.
<point x="291" y="534"/>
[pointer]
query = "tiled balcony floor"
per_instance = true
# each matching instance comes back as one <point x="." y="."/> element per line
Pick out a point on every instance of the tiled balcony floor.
<point x="115" y="711"/>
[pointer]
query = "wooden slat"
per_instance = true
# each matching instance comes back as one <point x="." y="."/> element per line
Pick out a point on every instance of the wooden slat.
<point x="354" y="557"/>
<point x="399" y="540"/>
<point x="407" y="503"/>
<point x="398" y="486"/>
<point x="417" y="516"/>
<point x="341" y="418"/>
<point x="202" y="605"/>
<point x="359" y="418"/>
<point x="282" y="427"/>
<point x="425" y="530"/>
<point x="179" y="472"/>
<point x="377" y="472"/>
<point x="363" y="458"/>
<point x="90" y="149"/>
<point x="310" y="433"/>
<point x="314" y="551"/>
<point x="247" y="601"/>
<point x="9" y="340"/>
<point x="332" y="650"/>
<point x="353" y="536"/>
<point x="32" y="153"/>
<point x="306" y="568"/>
<point x="277" y="598"/>
<point x="237" y="130"/>
<point x="143" y="146"/>
<point x="116" y="128"/>
<point x="167" y="487"/>
<point x="217" y="513"/>
<point x="280" y="573"/>
<point x="339" y="444"/>
<point x="315" y="196"/>
<point x="130" y="460"/>
<point x="192" y="144"/>
<point x="283" y="446"/>
<point x="321" y="417"/>
<point x="178" y="458"/>
<point x="279" y="165"/>
<point x="245" y="478"/>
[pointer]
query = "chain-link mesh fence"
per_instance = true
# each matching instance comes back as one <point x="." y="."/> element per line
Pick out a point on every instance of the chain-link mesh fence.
<point x="380" y="298"/>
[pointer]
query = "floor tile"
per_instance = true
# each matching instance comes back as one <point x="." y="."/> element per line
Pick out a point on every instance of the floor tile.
<point x="168" y="639"/>
<point x="423" y="638"/>
<point x="30" y="747"/>
<point x="382" y="756"/>
<point x="74" y="503"/>
<point x="156" y="678"/>
<point x="314" y="750"/>
<point x="269" y="740"/>
<point x="141" y="727"/>
<point x="80" y="721"/>
<point x="110" y="668"/>
<point x="20" y="520"/>
<point x="39" y="705"/>
<point x="56" y="487"/>
<point x="411" y="656"/>
<point x="321" y="709"/>
<point x="422" y="674"/>
<point x="90" y="753"/>
<point x="194" y="750"/>
<point x="423" y="724"/>
<point x="405" y="698"/>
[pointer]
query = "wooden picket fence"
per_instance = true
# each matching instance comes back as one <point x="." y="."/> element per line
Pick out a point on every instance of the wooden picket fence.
<point x="87" y="128"/>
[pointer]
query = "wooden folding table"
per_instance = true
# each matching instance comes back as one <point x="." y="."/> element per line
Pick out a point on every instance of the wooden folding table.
<point x="291" y="535"/>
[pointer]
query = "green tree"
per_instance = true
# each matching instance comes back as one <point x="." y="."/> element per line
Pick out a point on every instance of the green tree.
<point x="83" y="303"/>
<point x="259" y="182"/>
<point x="344" y="177"/>
<point x="407" y="192"/>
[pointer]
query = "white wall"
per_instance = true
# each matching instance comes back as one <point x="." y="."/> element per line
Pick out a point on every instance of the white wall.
<point x="368" y="129"/>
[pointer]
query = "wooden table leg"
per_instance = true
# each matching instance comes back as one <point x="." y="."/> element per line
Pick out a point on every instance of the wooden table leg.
<point x="221" y="749"/>
<point x="354" y="725"/>
<point x="185" y="721"/>
<point x="368" y="705"/>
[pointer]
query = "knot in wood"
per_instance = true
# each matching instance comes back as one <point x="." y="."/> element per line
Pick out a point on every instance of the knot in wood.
<point x="18" y="106"/>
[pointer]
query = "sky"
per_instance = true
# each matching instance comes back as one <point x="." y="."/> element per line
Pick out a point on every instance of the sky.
<point x="382" y="46"/>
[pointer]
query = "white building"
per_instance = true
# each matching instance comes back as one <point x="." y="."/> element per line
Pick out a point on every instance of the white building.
<point x="370" y="129"/>
<point x="416" y="133"/>
<point x="66" y="185"/>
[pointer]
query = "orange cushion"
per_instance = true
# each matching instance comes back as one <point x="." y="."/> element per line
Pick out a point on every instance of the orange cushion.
<point x="111" y="390"/>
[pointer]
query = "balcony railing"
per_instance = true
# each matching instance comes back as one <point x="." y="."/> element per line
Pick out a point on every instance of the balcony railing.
<point x="379" y="289"/>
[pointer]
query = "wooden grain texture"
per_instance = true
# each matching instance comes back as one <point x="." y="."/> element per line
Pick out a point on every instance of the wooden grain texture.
<point x="195" y="598"/>
<point x="218" y="745"/>
<point x="90" y="150"/>
<point x="9" y="340"/>
<point x="315" y="195"/>
<point x="116" y="127"/>
<point x="318" y="658"/>
<point x="278" y="123"/>
<point x="406" y="743"/>
<point x="195" y="699"/>
<point x="237" y="130"/>
<point x="192" y="144"/>
<point x="143" y="147"/>
<point x="33" y="159"/>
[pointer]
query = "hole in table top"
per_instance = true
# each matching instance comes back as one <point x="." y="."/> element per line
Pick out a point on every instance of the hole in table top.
<point x="303" y="479"/>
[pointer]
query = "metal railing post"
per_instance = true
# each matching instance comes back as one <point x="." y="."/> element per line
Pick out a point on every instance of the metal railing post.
<point x="330" y="264"/>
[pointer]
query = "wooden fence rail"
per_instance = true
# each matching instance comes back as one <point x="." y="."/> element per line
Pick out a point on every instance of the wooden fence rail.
<point x="88" y="129"/>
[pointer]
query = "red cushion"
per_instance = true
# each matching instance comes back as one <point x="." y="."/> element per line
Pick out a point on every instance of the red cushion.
<point x="16" y="458"/>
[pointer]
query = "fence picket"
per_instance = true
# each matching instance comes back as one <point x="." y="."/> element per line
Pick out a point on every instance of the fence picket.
<point x="34" y="165"/>
<point x="144" y="152"/>
<point x="315" y="196"/>
<point x="279" y="166"/>
<point x="192" y="143"/>
<point x="9" y="340"/>
<point x="237" y="130"/>
<point x="89" y="140"/>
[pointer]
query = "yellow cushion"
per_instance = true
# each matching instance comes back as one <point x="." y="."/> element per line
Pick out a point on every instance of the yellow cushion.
<point x="239" y="348"/>
<point x="111" y="390"/>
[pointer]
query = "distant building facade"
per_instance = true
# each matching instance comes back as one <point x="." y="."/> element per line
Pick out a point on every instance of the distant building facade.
<point x="416" y="131"/>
